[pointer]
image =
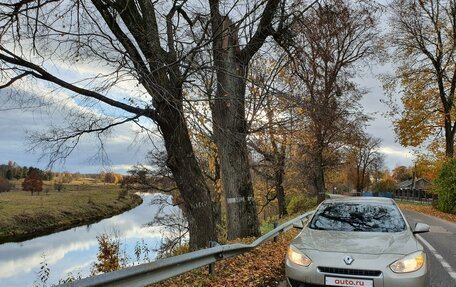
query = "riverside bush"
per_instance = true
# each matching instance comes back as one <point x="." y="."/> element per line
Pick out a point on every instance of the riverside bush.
<point x="445" y="186"/>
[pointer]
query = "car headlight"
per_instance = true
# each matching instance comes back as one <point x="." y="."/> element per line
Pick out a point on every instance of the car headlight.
<point x="409" y="263"/>
<point x="297" y="257"/>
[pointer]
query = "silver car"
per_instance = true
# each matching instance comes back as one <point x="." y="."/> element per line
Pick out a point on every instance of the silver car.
<point x="357" y="242"/>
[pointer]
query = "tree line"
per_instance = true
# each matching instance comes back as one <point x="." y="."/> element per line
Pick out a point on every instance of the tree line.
<point x="12" y="171"/>
<point x="33" y="177"/>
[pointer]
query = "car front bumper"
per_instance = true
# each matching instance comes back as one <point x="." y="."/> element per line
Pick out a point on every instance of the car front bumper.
<point x="299" y="276"/>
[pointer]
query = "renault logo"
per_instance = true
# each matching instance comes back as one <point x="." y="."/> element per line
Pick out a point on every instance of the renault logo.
<point x="348" y="260"/>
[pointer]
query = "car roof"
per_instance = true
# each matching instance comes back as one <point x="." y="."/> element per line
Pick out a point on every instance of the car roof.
<point x="360" y="199"/>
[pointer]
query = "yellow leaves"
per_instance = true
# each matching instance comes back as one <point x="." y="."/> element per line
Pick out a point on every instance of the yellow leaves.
<point x="423" y="117"/>
<point x="422" y="106"/>
<point x="428" y="167"/>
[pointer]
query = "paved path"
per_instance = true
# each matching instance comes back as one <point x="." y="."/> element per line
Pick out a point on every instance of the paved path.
<point x="440" y="245"/>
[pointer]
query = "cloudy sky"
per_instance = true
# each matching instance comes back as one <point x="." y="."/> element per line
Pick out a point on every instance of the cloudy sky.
<point x="381" y="126"/>
<point x="125" y="148"/>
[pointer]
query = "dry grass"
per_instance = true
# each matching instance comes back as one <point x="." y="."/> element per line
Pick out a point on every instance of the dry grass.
<point x="24" y="216"/>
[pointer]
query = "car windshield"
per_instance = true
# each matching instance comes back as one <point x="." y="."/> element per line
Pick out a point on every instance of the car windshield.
<point x="365" y="217"/>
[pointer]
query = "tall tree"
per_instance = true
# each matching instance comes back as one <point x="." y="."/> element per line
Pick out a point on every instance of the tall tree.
<point x="365" y="158"/>
<point x="139" y="42"/>
<point x="423" y="35"/>
<point x="232" y="55"/>
<point x="269" y="122"/>
<point x="331" y="38"/>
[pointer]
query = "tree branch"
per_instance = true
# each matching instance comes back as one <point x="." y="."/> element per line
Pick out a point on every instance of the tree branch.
<point x="41" y="73"/>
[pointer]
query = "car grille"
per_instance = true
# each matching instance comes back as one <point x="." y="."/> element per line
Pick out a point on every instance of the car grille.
<point x="343" y="271"/>
<point x="295" y="283"/>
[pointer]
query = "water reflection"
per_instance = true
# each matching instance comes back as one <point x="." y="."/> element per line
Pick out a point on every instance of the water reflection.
<point x="74" y="250"/>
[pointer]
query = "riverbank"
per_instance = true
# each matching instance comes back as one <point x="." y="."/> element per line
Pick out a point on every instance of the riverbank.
<point x="23" y="216"/>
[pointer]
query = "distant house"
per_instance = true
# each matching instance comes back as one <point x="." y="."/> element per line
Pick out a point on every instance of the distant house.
<point x="418" y="191"/>
<point x="420" y="184"/>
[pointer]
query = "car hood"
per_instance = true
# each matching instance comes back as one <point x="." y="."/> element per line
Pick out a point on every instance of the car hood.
<point x="356" y="242"/>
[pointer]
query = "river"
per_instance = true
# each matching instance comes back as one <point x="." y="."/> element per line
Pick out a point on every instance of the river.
<point x="74" y="250"/>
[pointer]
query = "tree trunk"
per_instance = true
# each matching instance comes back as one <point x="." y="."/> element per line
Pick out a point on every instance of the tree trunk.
<point x="217" y="200"/>
<point x="230" y="130"/>
<point x="280" y="194"/>
<point x="449" y="137"/>
<point x="279" y="171"/>
<point x="319" y="178"/>
<point x="187" y="174"/>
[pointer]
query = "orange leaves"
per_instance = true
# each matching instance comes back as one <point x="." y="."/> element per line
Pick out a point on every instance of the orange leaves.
<point x="428" y="167"/>
<point x="261" y="267"/>
<point x="108" y="255"/>
<point x="33" y="182"/>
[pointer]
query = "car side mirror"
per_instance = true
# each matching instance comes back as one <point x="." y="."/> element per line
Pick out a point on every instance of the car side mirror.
<point x="421" y="228"/>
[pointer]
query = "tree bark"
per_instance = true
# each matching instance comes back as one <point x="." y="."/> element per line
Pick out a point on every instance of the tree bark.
<point x="187" y="174"/>
<point x="230" y="130"/>
<point x="279" y="172"/>
<point x="280" y="192"/>
<point x="449" y="136"/>
<point x="319" y="178"/>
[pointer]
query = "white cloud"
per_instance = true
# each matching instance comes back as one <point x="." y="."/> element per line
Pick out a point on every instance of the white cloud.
<point x="393" y="151"/>
<point x="125" y="146"/>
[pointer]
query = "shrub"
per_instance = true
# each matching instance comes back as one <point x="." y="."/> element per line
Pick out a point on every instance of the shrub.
<point x="108" y="255"/>
<point x="300" y="203"/>
<point x="33" y="183"/>
<point x="5" y="185"/>
<point x="58" y="185"/>
<point x="445" y="186"/>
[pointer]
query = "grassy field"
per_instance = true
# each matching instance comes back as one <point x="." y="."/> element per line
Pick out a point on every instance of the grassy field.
<point x="23" y="216"/>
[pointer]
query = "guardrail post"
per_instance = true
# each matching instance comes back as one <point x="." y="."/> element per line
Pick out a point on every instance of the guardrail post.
<point x="212" y="265"/>
<point x="275" y="224"/>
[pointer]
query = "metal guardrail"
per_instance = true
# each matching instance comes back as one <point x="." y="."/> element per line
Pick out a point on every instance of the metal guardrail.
<point x="148" y="273"/>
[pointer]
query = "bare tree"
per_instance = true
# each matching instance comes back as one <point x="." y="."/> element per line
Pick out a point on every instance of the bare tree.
<point x="235" y="42"/>
<point x="269" y="122"/>
<point x="331" y="38"/>
<point x="140" y="42"/>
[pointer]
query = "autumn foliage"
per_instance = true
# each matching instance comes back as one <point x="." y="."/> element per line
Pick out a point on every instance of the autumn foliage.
<point x="262" y="267"/>
<point x="33" y="183"/>
<point x="108" y="256"/>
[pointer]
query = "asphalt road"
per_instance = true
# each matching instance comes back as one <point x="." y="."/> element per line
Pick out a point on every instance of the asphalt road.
<point x="440" y="246"/>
